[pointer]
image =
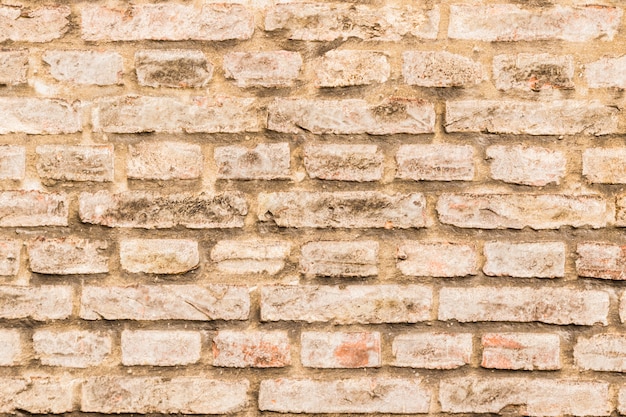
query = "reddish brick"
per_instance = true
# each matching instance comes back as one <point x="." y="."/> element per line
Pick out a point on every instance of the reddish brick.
<point x="71" y="348"/>
<point x="344" y="162"/>
<point x="432" y="350"/>
<point x="68" y="256"/>
<point x="150" y="160"/>
<point x="260" y="349"/>
<point x="41" y="24"/>
<point x="440" y="69"/>
<point x="33" y="208"/>
<point x="435" y="162"/>
<point x="340" y="350"/>
<point x="75" y="163"/>
<point x="263" y="69"/>
<point x="528" y="351"/>
<point x="601" y="260"/>
<point x="160" y="347"/>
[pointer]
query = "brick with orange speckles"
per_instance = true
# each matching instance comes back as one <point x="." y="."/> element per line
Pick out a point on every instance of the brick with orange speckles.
<point x="437" y="259"/>
<point x="262" y="349"/>
<point x="601" y="260"/>
<point x="340" y="349"/>
<point x="533" y="72"/>
<point x="527" y="351"/>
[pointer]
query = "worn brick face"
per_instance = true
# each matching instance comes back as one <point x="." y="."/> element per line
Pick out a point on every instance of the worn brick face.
<point x="67" y="256"/>
<point x="164" y="161"/>
<point x="264" y="162"/>
<point x="160" y="348"/>
<point x="75" y="163"/>
<point x="527" y="351"/>
<point x="38" y="24"/>
<point x="14" y="67"/>
<point x="261" y="349"/>
<point x="601" y="260"/>
<point x="525" y="260"/>
<point x="340" y="350"/>
<point x="85" y="67"/>
<point x="340" y="258"/>
<point x="533" y="72"/>
<point x="71" y="349"/>
<point x="263" y="69"/>
<point x="440" y="69"/>
<point x="348" y="67"/>
<point x="526" y="165"/>
<point x="437" y="259"/>
<point x="432" y="350"/>
<point x="250" y="256"/>
<point x="359" y="163"/>
<point x="159" y="256"/>
<point x="174" y="68"/>
<point x="435" y="163"/>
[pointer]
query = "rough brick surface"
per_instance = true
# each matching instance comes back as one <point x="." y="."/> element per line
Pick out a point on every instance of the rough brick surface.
<point x="603" y="352"/>
<point x="14" y="67"/>
<point x="160" y="348"/>
<point x="71" y="349"/>
<point x="605" y="165"/>
<point x="159" y="256"/>
<point x="37" y="395"/>
<point x="10" y="347"/>
<point x="263" y="69"/>
<point x="350" y="67"/>
<point x="606" y="72"/>
<point x="164" y="161"/>
<point x="39" y="24"/>
<point x="601" y="260"/>
<point x="67" y="256"/>
<point x="340" y="259"/>
<point x="250" y="256"/>
<point x="261" y="349"/>
<point x="174" y="68"/>
<point x="344" y="162"/>
<point x="12" y="162"/>
<point x="525" y="260"/>
<point x="340" y="350"/>
<point x="75" y="163"/>
<point x="10" y="257"/>
<point x="533" y="72"/>
<point x="440" y="69"/>
<point x="264" y="162"/>
<point x="85" y="67"/>
<point x="437" y="259"/>
<point x="435" y="163"/>
<point x="47" y="302"/>
<point x="432" y="350"/>
<point x="39" y="116"/>
<point x="526" y="165"/>
<point x="527" y="351"/>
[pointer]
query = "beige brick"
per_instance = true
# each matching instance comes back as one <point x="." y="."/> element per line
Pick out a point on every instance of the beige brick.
<point x="601" y="260"/>
<point x="340" y="349"/>
<point x="33" y="208"/>
<point x="435" y="162"/>
<point x="14" y="67"/>
<point x="263" y="69"/>
<point x="250" y="256"/>
<point x="350" y="67"/>
<point x="344" y="162"/>
<point x="440" y="69"/>
<point x="71" y="348"/>
<point x="527" y="351"/>
<point x="12" y="162"/>
<point x="160" y="347"/>
<point x="85" y="67"/>
<point x="149" y="160"/>
<point x="39" y="24"/>
<point x="622" y="308"/>
<point x="621" y="401"/>
<point x="432" y="350"/>
<point x="520" y="164"/>
<point x="37" y="395"/>
<point x="46" y="302"/>
<point x="255" y="349"/>
<point x="10" y="257"/>
<point x="605" y="165"/>
<point x="525" y="260"/>
<point x="75" y="163"/>
<point x="620" y="215"/>
<point x="601" y="352"/>
<point x="10" y="347"/>
<point x="263" y="162"/>
<point x="39" y="116"/>
<point x="159" y="256"/>
<point x="437" y="259"/>
<point x="340" y="258"/>
<point x="68" y="256"/>
<point x="174" y="68"/>
<point x="533" y="72"/>
<point x="607" y="72"/>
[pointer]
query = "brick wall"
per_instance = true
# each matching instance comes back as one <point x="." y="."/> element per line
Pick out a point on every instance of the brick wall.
<point x="379" y="207"/>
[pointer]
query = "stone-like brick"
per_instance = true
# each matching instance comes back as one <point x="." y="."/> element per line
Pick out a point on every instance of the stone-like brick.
<point x="437" y="259"/>
<point x="349" y="67"/>
<point x="150" y="160"/>
<point x="340" y="349"/>
<point x="85" y="67"/>
<point x="509" y="22"/>
<point x="14" y="67"/>
<point x="350" y="304"/>
<point x="519" y="164"/>
<point x="150" y="210"/>
<point x="264" y="162"/>
<point x="435" y="162"/>
<point x="263" y="69"/>
<point x="33" y="208"/>
<point x="510" y="211"/>
<point x="601" y="352"/>
<point x="12" y="162"/>
<point x="42" y="24"/>
<point x="160" y="347"/>
<point x="68" y="256"/>
<point x="620" y="215"/>
<point x="178" y="395"/>
<point x="75" y="163"/>
<point x="527" y="351"/>
<point x="37" y="395"/>
<point x="165" y="302"/>
<point x="167" y="22"/>
<point x="605" y="165"/>
<point x="621" y="401"/>
<point x="440" y="69"/>
<point x="250" y="256"/>
<point x="622" y="308"/>
<point x="72" y="348"/>
<point x="533" y="72"/>
<point x="159" y="256"/>
<point x="432" y="350"/>
<point x="525" y="260"/>
<point x="38" y="116"/>
<point x="351" y="116"/>
<point x="10" y="257"/>
<point x="10" y="347"/>
<point x="340" y="258"/>
<point x="350" y="209"/>
<point x="524" y="304"/>
<point x="344" y="162"/>
<point x="601" y="260"/>
<point x="358" y="395"/>
<point x="560" y="117"/>
<point x="606" y="72"/>
<point x="46" y="302"/>
<point x="174" y="68"/>
<point x="258" y="349"/>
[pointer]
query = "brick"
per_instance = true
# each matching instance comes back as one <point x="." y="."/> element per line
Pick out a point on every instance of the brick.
<point x="68" y="256"/>
<point x="33" y="208"/>
<point x="167" y="22"/>
<point x="340" y="349"/>
<point x="330" y="21"/>
<point x="525" y="260"/>
<point x="10" y="257"/>
<point x="350" y="67"/>
<point x="250" y="256"/>
<point x="137" y="114"/>
<point x="532" y="396"/>
<point x="262" y="69"/>
<point x="10" y="347"/>
<point x="165" y="302"/>
<point x="149" y="160"/>
<point x="605" y="165"/>
<point x="527" y="351"/>
<point x="150" y="210"/>
<point x="622" y="308"/>
<point x="256" y="349"/>
<point x="524" y="304"/>
<point x="349" y="304"/>
<point x="85" y="67"/>
<point x="37" y="395"/>
<point x="75" y="163"/>
<point x="39" y="116"/>
<point x="351" y="116"/>
<point x="263" y="162"/>
<point x="173" y="68"/>
<point x="340" y="258"/>
<point x="510" y="211"/>
<point x="159" y="256"/>
<point x="41" y="24"/>
<point x="620" y="215"/>
<point x="186" y="395"/>
<point x="440" y="69"/>
<point x="432" y="350"/>
<point x="601" y="352"/>
<point x="356" y="395"/>
<point x="350" y="209"/>
<point x="601" y="260"/>
<point x="520" y="164"/>
<point x="14" y="67"/>
<point x="12" y="162"/>
<point x="435" y="162"/>
<point x="607" y="72"/>
<point x="508" y="22"/>
<point x="559" y="117"/>
<point x="160" y="348"/>
<point x="47" y="302"/>
<point x="621" y="401"/>
<point x="533" y="72"/>
<point x="437" y="259"/>
<point x="344" y="162"/>
<point x="72" y="348"/>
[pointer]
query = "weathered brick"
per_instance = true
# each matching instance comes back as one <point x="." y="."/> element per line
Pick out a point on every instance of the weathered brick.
<point x="14" y="67"/>
<point x="185" y="395"/>
<point x="533" y="72"/>
<point x="560" y="117"/>
<point x="432" y="350"/>
<point x="435" y="162"/>
<point x="159" y="256"/>
<point x="174" y="68"/>
<point x="75" y="163"/>
<point x="150" y="210"/>
<point x="525" y="260"/>
<point x="12" y="162"/>
<point x="257" y="349"/>
<point x="605" y="165"/>
<point x="621" y="401"/>
<point x="38" y="116"/>
<point x="350" y="67"/>
<point x="620" y="215"/>
<point x="72" y="348"/>
<point x="167" y="22"/>
<point x="601" y="352"/>
<point x="607" y="72"/>
<point x="165" y="302"/>
<point x="340" y="349"/>
<point x="510" y="211"/>
<point x="357" y="395"/>
<point x="350" y="209"/>
<point x="524" y="304"/>
<point x="266" y="161"/>
<point x="509" y="22"/>
<point x="150" y="160"/>
<point x="440" y="69"/>
<point x="622" y="308"/>
<point x="527" y="351"/>
<point x="250" y="256"/>
<point x="41" y="24"/>
<point x="350" y="304"/>
<point x="10" y="347"/>
<point x="37" y="395"/>
<point x="519" y="164"/>
<point x="68" y="256"/>
<point x="263" y="69"/>
<point x="33" y="208"/>
<point x="340" y="258"/>
<point x="85" y="67"/>
<point x="351" y="116"/>
<point x="10" y="257"/>
<point x="344" y="162"/>
<point x="160" y="347"/>
<point x="437" y="259"/>
<point x="601" y="260"/>
<point x="47" y="302"/>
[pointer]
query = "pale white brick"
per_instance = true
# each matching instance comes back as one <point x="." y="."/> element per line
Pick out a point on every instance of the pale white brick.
<point x="263" y="162"/>
<point x="432" y="350"/>
<point x="607" y="72"/>
<point x="46" y="302"/>
<point x="33" y="208"/>
<point x="520" y="164"/>
<point x="39" y="116"/>
<point x="351" y="67"/>
<point x="605" y="165"/>
<point x="150" y="160"/>
<point x="435" y="162"/>
<point x="85" y="67"/>
<point x="159" y="256"/>
<point x="68" y="256"/>
<point x="527" y="351"/>
<point x="263" y="69"/>
<point x="340" y="349"/>
<point x="525" y="260"/>
<point x="437" y="259"/>
<point x="601" y="352"/>
<point x="160" y="347"/>
<point x="71" y="348"/>
<point x="10" y="257"/>
<point x="37" y="395"/>
<point x="440" y="69"/>
<point x="39" y="24"/>
<point x="344" y="162"/>
<point x="340" y="258"/>
<point x="12" y="162"/>
<point x="250" y="256"/>
<point x="14" y="67"/>
<point x="10" y="347"/>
